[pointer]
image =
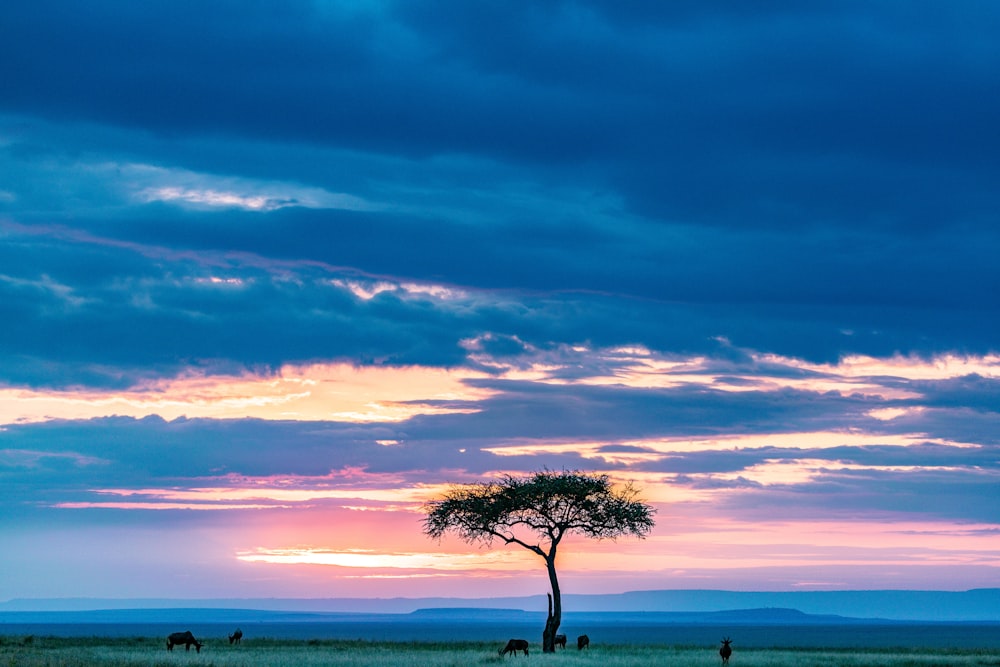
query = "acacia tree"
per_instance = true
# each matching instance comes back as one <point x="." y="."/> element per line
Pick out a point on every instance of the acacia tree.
<point x="536" y="512"/>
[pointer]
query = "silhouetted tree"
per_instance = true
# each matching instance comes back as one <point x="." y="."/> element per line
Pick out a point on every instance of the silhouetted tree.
<point x="536" y="512"/>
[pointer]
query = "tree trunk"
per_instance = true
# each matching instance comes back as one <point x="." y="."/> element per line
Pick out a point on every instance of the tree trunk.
<point x="554" y="618"/>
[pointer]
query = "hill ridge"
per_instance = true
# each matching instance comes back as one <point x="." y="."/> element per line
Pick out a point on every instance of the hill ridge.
<point x="973" y="605"/>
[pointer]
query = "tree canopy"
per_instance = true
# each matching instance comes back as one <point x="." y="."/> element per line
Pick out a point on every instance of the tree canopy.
<point x="536" y="512"/>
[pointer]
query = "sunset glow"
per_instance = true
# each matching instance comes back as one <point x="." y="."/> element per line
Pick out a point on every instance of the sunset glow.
<point x="380" y="561"/>
<point x="256" y="315"/>
<point x="305" y="393"/>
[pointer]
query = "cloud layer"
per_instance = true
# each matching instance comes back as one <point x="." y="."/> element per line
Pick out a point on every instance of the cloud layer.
<point x="304" y="265"/>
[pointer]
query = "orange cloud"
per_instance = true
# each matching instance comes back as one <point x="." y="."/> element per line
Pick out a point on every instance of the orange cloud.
<point x="333" y="392"/>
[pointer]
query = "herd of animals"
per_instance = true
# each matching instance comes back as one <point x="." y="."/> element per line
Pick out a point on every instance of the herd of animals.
<point x="513" y="646"/>
<point x="188" y="640"/>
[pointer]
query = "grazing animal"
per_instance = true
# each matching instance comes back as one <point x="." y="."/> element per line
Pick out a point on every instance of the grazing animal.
<point x="559" y="640"/>
<point x="513" y="646"/>
<point x="726" y="650"/>
<point x="582" y="642"/>
<point x="186" y="638"/>
<point x="236" y="636"/>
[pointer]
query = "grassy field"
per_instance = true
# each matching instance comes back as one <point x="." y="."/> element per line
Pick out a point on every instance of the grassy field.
<point x="31" y="651"/>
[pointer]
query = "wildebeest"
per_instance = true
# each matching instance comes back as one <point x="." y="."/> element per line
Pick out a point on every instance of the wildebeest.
<point x="513" y="646"/>
<point x="559" y="640"/>
<point x="582" y="642"/>
<point x="236" y="636"/>
<point x="726" y="650"/>
<point x="186" y="638"/>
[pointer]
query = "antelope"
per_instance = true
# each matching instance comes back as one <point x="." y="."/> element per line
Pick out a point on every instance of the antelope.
<point x="726" y="650"/>
<point x="513" y="646"/>
<point x="186" y="638"/>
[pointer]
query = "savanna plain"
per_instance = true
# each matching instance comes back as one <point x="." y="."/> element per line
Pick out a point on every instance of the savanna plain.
<point x="44" y="651"/>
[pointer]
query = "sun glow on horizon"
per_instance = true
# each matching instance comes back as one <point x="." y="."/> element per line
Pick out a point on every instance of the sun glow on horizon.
<point x="708" y="543"/>
<point x="371" y="559"/>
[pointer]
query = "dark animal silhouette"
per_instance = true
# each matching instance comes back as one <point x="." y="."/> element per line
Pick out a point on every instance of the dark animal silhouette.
<point x="236" y="637"/>
<point x="186" y="638"/>
<point x="513" y="646"/>
<point x="726" y="650"/>
<point x="559" y="640"/>
<point x="582" y="642"/>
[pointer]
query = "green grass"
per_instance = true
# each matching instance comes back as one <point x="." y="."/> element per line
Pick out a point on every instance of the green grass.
<point x="30" y="651"/>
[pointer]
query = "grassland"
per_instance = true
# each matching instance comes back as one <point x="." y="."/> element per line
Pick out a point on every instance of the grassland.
<point x="32" y="651"/>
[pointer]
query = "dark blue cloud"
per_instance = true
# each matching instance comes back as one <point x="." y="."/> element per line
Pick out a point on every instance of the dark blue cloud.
<point x="930" y="495"/>
<point x="974" y="392"/>
<point x="815" y="181"/>
<point x="230" y="187"/>
<point x="142" y="284"/>
<point x="784" y="115"/>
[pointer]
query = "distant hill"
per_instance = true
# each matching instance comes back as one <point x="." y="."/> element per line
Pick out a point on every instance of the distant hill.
<point x="978" y="604"/>
<point x="974" y="605"/>
<point x="445" y="616"/>
<point x="736" y="616"/>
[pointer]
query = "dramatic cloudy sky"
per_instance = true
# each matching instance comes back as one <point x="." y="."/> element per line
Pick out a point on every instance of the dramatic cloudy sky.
<point x="273" y="274"/>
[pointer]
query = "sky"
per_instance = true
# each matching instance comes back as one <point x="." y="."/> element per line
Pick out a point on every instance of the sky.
<point x="275" y="274"/>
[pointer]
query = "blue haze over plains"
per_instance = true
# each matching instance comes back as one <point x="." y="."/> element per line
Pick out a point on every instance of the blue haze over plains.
<point x="226" y="189"/>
